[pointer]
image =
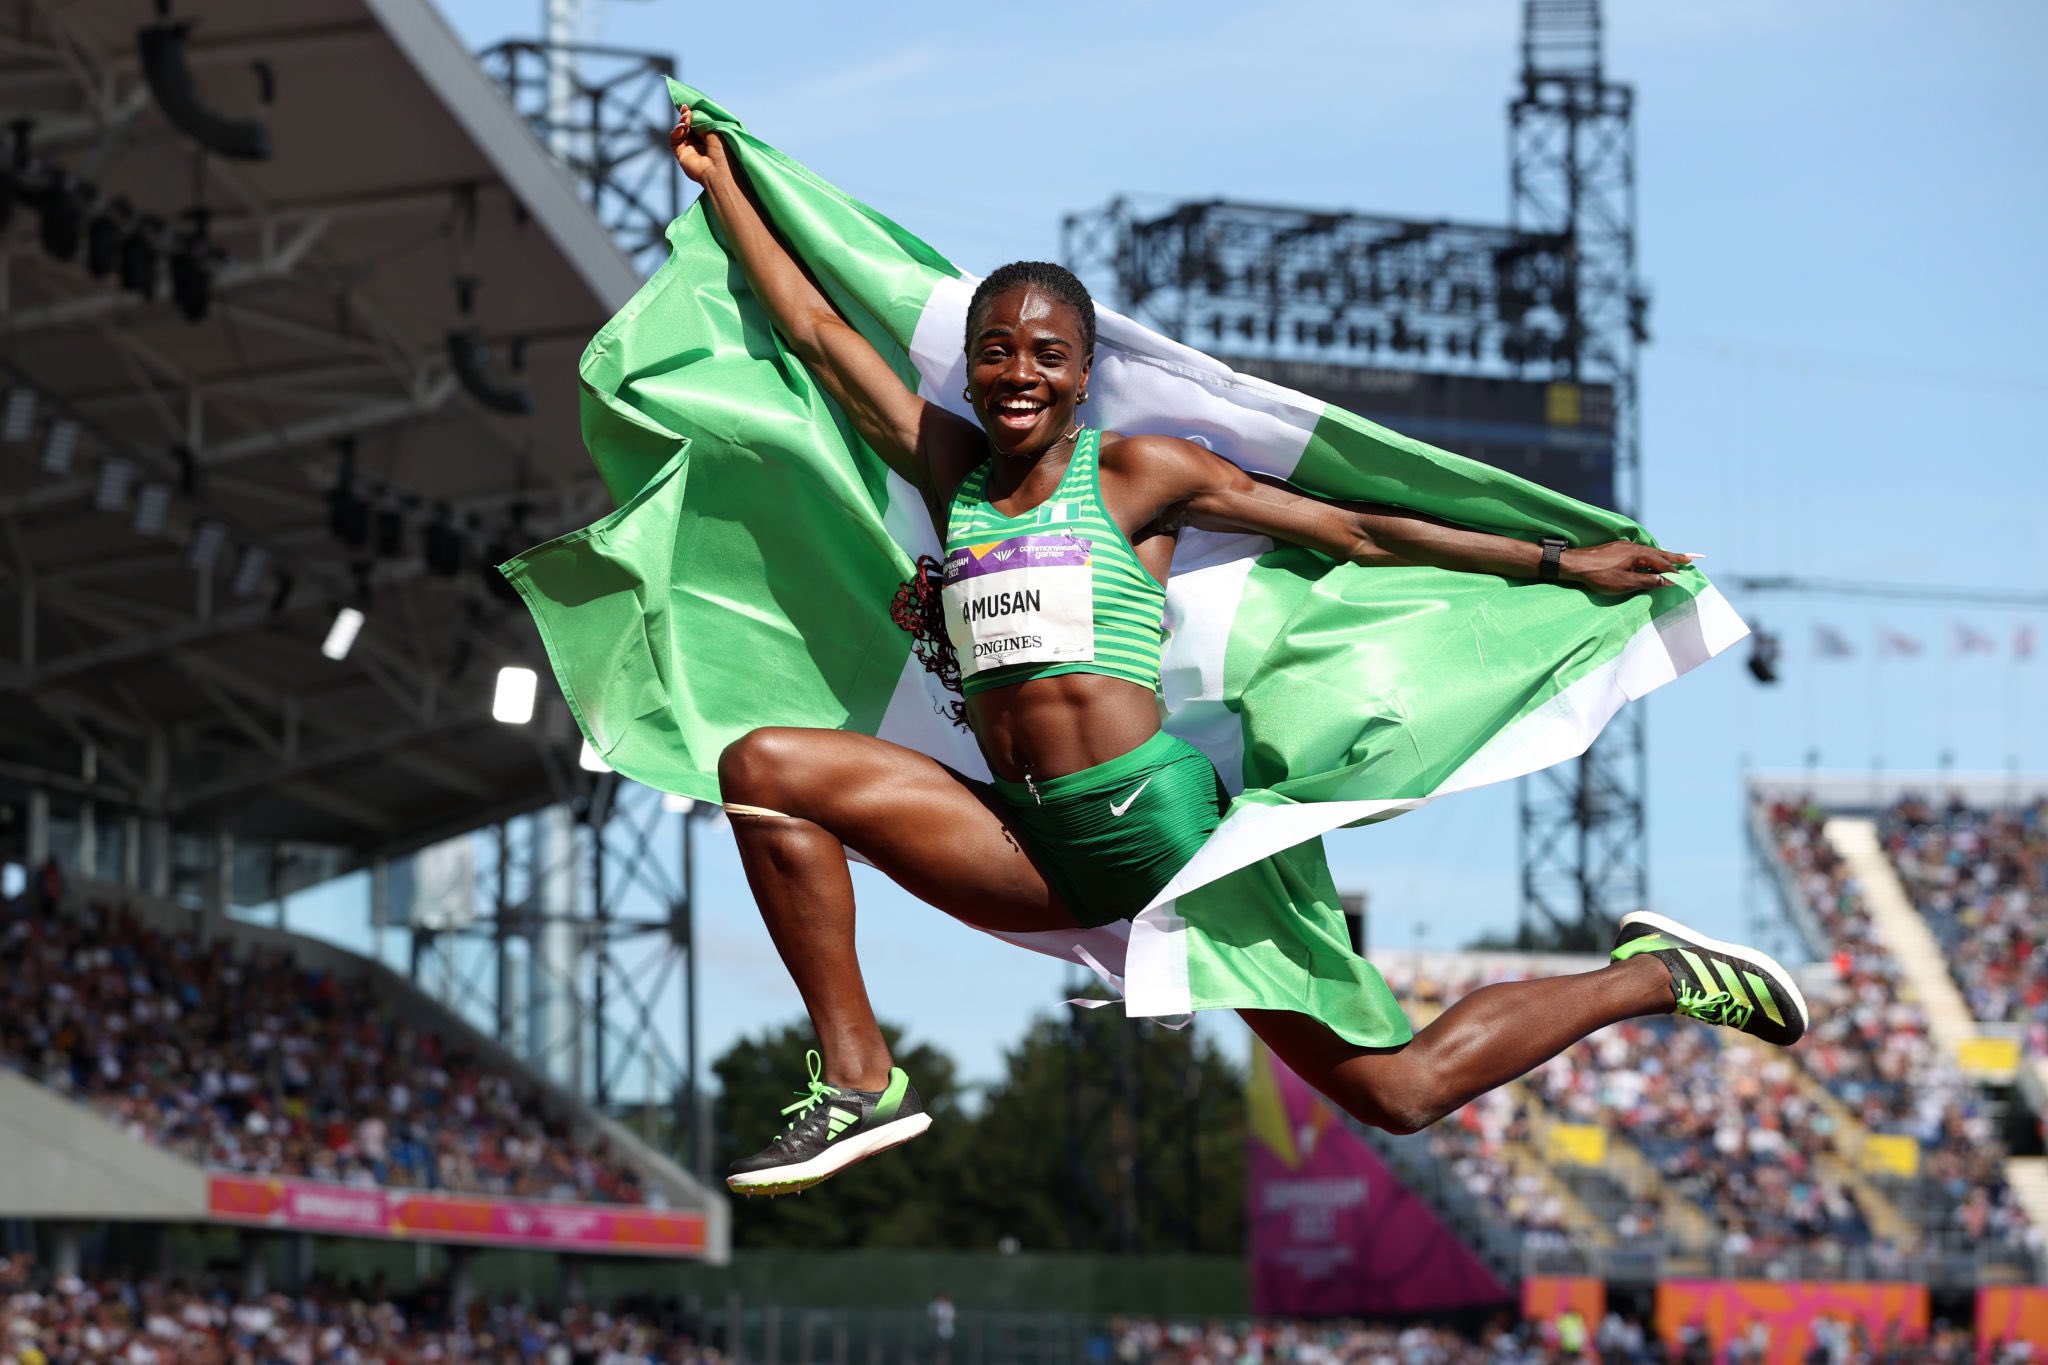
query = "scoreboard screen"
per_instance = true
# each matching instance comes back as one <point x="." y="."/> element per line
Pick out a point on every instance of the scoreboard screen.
<point x="1558" y="434"/>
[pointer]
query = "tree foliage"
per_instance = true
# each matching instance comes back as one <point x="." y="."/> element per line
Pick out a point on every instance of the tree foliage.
<point x="1102" y="1135"/>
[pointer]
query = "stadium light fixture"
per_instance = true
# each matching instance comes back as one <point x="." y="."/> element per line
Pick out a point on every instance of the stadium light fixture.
<point x="116" y="478"/>
<point x="209" y="538"/>
<point x="192" y="264"/>
<point x="388" y="532"/>
<point x="590" y="760"/>
<point x="60" y="446"/>
<point x="675" y="803"/>
<point x="63" y="214"/>
<point x="141" y="262"/>
<point x="18" y="418"/>
<point x="153" y="509"/>
<point x="341" y="636"/>
<point x="470" y="358"/>
<point x="1763" y="657"/>
<point x="168" y="71"/>
<point x="103" y="234"/>
<point x="513" y="702"/>
<point x="250" y="567"/>
<point x="441" y="544"/>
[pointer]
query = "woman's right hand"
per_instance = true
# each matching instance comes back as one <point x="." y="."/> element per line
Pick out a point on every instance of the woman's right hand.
<point x="699" y="154"/>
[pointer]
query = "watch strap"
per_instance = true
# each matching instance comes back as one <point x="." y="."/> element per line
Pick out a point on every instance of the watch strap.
<point x="1553" y="556"/>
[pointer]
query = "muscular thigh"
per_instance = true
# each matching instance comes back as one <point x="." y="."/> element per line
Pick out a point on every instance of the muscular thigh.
<point x="938" y="835"/>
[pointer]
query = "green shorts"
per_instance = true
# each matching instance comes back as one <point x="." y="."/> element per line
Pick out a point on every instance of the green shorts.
<point x="1268" y="936"/>
<point x="1109" y="837"/>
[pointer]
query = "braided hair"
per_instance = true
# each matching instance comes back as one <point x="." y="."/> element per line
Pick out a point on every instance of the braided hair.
<point x="1055" y="280"/>
<point x="917" y="608"/>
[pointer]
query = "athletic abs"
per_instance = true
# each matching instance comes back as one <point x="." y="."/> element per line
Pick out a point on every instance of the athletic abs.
<point x="1049" y="727"/>
<point x="1052" y="726"/>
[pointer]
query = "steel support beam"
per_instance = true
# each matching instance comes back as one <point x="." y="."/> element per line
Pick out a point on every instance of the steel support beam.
<point x="1584" y="825"/>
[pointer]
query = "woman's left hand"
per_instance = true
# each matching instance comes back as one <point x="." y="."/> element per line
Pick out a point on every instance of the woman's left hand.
<point x="1620" y="567"/>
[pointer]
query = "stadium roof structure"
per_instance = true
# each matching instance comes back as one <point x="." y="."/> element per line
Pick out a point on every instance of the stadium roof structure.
<point x="185" y="505"/>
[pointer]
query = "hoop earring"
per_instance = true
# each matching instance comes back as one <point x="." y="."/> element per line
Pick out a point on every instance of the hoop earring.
<point x="967" y="394"/>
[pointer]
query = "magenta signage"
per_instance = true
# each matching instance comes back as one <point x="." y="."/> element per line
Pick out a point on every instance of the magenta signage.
<point x="420" y="1215"/>
<point x="1333" y="1232"/>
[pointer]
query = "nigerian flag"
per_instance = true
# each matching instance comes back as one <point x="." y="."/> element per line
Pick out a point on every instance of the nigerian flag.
<point x="745" y="580"/>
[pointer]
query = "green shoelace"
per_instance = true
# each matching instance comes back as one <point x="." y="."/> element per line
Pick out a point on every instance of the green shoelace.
<point x="817" y="1093"/>
<point x="1713" y="1007"/>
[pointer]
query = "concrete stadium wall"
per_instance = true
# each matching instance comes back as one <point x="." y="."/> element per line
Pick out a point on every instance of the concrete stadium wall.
<point x="61" y="1159"/>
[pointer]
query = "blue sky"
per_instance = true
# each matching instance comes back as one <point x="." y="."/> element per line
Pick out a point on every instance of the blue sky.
<point x="1840" y="211"/>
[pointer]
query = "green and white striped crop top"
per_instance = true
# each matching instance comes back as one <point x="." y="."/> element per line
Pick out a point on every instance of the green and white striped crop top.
<point x="1056" y="590"/>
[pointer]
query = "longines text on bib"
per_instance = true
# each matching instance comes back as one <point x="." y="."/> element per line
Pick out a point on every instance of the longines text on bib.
<point x="1025" y="600"/>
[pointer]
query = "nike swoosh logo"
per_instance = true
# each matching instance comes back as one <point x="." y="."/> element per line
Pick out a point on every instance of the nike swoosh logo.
<point x="1116" y="809"/>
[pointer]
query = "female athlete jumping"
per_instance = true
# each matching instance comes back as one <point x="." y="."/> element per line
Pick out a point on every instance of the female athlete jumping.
<point x="1058" y="539"/>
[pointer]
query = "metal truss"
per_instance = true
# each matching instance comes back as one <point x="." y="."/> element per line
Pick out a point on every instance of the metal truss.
<point x="578" y="953"/>
<point x="356" y="373"/>
<point x="1584" y="826"/>
<point x="1345" y="287"/>
<point x="589" y="104"/>
<point x="1551" y="296"/>
<point x="581" y="959"/>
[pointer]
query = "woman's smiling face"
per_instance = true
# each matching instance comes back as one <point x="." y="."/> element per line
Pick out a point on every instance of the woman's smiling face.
<point x="1026" y="369"/>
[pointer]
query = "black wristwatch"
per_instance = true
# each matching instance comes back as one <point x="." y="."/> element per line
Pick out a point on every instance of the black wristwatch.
<point x="1553" y="553"/>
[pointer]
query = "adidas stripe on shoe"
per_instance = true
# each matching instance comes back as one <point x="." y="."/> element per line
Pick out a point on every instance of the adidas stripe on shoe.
<point x="1716" y="982"/>
<point x="832" y="1129"/>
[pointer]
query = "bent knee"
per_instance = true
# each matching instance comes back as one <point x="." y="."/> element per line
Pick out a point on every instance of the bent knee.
<point x="756" y="767"/>
<point x="1394" y="1108"/>
<point x="1401" y="1122"/>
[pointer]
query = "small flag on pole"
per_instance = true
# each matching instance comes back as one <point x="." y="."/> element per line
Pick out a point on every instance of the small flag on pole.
<point x="1896" y="644"/>
<point x="1970" y="640"/>
<point x="1830" y="643"/>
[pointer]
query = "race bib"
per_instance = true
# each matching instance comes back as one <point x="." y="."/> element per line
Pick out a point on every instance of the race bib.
<point x="1025" y="600"/>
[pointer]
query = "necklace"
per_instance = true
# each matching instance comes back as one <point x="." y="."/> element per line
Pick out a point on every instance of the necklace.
<point x="1073" y="433"/>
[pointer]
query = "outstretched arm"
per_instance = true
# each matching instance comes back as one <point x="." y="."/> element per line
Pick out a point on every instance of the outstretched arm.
<point x="920" y="441"/>
<point x="1215" y="494"/>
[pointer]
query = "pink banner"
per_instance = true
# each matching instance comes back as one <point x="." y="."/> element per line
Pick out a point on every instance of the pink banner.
<point x="1333" y="1232"/>
<point x="1787" y="1314"/>
<point x="313" y="1206"/>
<point x="2010" y="1313"/>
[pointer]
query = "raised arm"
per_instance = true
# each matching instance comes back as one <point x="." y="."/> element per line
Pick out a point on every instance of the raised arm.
<point x="920" y="441"/>
<point x="1203" y="489"/>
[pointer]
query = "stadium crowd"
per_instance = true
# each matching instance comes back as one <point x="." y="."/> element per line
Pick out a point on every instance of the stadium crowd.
<point x="1733" y="1132"/>
<point x="57" y="1319"/>
<point x="249" y="1063"/>
<point x="52" y="1319"/>
<point x="1475" y="1141"/>
<point x="1730" y="1130"/>
<point x="1738" y="1140"/>
<point x="1871" y="1047"/>
<point x="1616" y="1340"/>
<point x="1981" y="879"/>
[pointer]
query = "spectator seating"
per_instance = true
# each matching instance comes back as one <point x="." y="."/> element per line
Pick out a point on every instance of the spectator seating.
<point x="153" y="1321"/>
<point x="1980" y="877"/>
<point x="244" y="1061"/>
<point x="1870" y="1045"/>
<point x="1749" y="1145"/>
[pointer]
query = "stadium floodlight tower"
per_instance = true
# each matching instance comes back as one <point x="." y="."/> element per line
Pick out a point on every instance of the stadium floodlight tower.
<point x="1583" y="832"/>
<point x="590" y="105"/>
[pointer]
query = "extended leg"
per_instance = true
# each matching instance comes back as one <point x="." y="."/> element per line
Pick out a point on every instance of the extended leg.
<point x="921" y="824"/>
<point x="1487" y="1039"/>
